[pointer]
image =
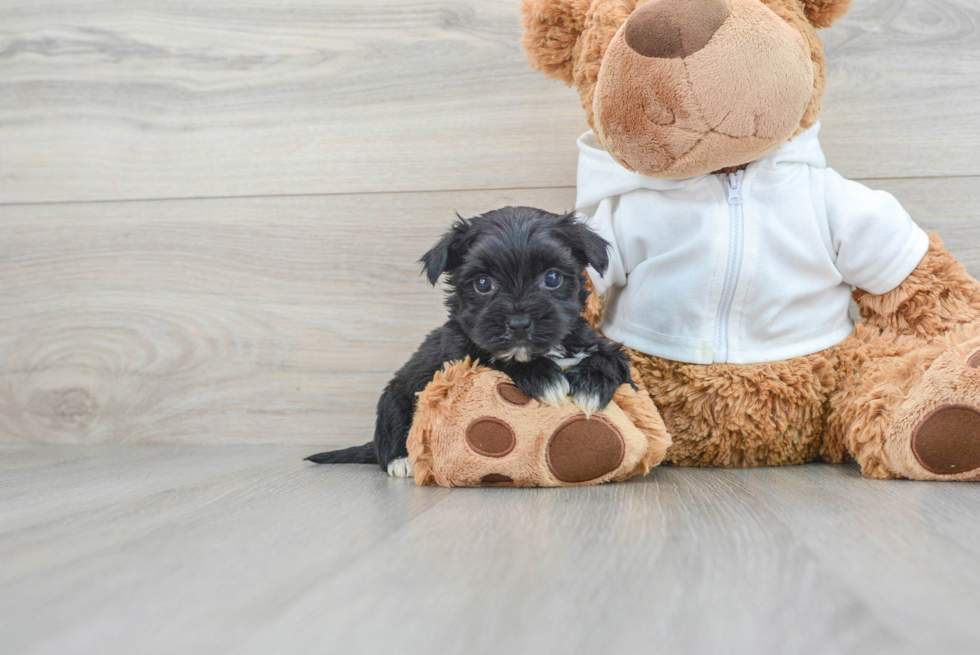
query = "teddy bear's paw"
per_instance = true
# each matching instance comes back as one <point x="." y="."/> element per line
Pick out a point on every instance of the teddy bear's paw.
<point x="476" y="428"/>
<point x="937" y="429"/>
<point x="579" y="450"/>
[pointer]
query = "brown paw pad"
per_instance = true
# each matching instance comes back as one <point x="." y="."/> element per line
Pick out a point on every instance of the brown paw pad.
<point x="497" y="480"/>
<point x="511" y="394"/>
<point x="974" y="360"/>
<point x="490" y="437"/>
<point x="584" y="449"/>
<point x="947" y="441"/>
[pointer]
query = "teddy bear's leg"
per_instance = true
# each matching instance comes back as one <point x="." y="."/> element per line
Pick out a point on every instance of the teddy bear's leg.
<point x="908" y="398"/>
<point x="736" y="414"/>
<point x="741" y="415"/>
<point x="909" y="409"/>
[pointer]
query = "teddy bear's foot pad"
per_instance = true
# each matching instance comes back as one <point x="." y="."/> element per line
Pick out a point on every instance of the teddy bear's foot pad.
<point x="947" y="441"/>
<point x="497" y="480"/>
<point x="583" y="449"/>
<point x="490" y="437"/>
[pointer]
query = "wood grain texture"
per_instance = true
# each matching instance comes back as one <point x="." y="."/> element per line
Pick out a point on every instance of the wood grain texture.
<point x="904" y="89"/>
<point x="250" y="550"/>
<point x="262" y="320"/>
<point x="115" y="99"/>
<point x="217" y="321"/>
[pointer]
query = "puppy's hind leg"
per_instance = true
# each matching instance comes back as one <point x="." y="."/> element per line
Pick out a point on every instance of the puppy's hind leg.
<point x="391" y="433"/>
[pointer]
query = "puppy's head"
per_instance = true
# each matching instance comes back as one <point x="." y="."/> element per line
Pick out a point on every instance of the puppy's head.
<point x="515" y="277"/>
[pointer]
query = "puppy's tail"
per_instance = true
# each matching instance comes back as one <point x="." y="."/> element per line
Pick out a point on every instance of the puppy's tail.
<point x="354" y="455"/>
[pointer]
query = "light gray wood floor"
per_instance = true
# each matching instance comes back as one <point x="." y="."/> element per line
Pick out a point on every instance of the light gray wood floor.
<point x="248" y="549"/>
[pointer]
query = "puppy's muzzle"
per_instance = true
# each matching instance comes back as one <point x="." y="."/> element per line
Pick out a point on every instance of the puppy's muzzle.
<point x="519" y="326"/>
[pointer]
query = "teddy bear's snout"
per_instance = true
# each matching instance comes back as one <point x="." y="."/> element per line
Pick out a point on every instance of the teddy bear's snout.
<point x="688" y="87"/>
<point x="674" y="29"/>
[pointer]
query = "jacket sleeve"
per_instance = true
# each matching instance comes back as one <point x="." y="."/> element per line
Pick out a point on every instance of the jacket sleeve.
<point x="876" y="241"/>
<point x="603" y="222"/>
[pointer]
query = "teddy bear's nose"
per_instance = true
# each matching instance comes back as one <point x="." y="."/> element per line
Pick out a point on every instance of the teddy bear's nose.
<point x="674" y="29"/>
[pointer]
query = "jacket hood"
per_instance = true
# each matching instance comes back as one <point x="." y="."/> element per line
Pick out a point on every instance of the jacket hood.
<point x="600" y="176"/>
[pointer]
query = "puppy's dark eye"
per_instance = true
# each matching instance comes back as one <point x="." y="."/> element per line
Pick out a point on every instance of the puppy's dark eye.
<point x="553" y="279"/>
<point x="483" y="284"/>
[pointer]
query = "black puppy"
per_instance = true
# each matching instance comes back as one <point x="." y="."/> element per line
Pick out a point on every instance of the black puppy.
<point x="515" y="303"/>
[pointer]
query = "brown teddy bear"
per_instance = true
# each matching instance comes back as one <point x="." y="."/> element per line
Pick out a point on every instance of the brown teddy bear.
<point x="737" y="247"/>
<point x="735" y="251"/>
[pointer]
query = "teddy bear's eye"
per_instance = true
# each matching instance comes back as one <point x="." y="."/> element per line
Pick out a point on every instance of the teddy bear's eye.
<point x="553" y="279"/>
<point x="483" y="284"/>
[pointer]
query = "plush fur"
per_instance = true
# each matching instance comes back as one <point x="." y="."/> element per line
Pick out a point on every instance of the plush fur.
<point x="875" y="396"/>
<point x="515" y="300"/>
<point x="465" y="392"/>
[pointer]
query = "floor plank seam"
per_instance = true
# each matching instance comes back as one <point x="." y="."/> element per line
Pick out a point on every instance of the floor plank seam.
<point x="393" y="193"/>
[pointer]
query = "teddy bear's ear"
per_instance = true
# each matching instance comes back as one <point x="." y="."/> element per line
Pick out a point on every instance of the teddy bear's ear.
<point x="823" y="13"/>
<point x="551" y="31"/>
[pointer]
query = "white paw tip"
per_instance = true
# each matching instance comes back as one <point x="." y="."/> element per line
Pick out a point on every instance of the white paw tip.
<point x="556" y="393"/>
<point x="400" y="468"/>
<point x="588" y="403"/>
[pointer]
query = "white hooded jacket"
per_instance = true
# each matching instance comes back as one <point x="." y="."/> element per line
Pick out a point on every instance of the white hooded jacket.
<point x="752" y="267"/>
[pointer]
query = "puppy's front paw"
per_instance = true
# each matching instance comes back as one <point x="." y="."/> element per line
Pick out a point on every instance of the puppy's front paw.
<point x="400" y="468"/>
<point x="590" y="389"/>
<point x="542" y="380"/>
<point x="589" y="403"/>
<point x="553" y="392"/>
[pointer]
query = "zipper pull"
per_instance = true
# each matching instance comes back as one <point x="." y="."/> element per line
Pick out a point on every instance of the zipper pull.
<point x="735" y="188"/>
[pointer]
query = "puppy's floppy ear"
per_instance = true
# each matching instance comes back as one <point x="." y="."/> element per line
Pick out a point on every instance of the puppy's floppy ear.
<point x="823" y="13"/>
<point x="447" y="254"/>
<point x="588" y="248"/>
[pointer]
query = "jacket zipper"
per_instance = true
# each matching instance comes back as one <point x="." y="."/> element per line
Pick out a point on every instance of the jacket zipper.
<point x="736" y="244"/>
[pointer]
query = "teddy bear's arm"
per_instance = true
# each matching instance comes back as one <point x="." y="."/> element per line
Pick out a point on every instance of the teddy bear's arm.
<point x="875" y="241"/>
<point x="935" y="297"/>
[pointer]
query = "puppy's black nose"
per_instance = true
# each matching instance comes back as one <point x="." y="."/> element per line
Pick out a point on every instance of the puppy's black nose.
<point x="519" y="325"/>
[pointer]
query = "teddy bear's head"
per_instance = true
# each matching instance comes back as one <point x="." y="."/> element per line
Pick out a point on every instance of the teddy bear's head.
<point x="678" y="88"/>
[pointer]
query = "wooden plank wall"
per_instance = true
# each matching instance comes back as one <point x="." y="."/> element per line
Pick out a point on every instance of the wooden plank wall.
<point x="210" y="211"/>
